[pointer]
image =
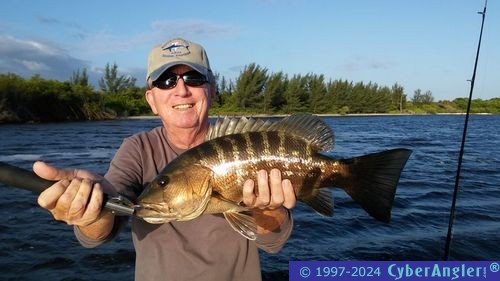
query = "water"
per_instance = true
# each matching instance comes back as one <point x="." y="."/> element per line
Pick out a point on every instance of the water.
<point x="34" y="247"/>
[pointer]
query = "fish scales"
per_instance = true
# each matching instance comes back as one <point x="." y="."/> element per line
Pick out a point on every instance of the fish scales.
<point x="209" y="178"/>
<point x="258" y="151"/>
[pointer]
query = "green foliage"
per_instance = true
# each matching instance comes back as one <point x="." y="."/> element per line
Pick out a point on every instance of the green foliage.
<point x="129" y="102"/>
<point x="316" y="91"/>
<point x="249" y="86"/>
<point x="398" y="98"/>
<point x="294" y="95"/>
<point x="274" y="93"/>
<point x="255" y="91"/>
<point x="111" y="83"/>
<point x="79" y="79"/>
<point x="41" y="100"/>
<point x="422" y="99"/>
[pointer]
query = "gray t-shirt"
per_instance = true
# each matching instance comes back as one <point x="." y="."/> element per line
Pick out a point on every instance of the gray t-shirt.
<point x="206" y="248"/>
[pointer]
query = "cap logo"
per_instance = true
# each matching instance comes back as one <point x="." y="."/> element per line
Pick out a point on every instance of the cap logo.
<point x="175" y="48"/>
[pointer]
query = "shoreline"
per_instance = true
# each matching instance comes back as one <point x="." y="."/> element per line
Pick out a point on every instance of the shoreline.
<point x="322" y="115"/>
<point x="146" y="117"/>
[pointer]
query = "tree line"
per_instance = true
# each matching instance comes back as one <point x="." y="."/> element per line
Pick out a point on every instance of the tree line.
<point x="42" y="100"/>
<point x="254" y="91"/>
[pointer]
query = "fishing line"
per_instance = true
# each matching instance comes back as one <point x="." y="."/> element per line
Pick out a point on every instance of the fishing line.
<point x="457" y="178"/>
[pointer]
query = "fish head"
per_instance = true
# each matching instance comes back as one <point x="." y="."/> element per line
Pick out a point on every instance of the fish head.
<point x="176" y="195"/>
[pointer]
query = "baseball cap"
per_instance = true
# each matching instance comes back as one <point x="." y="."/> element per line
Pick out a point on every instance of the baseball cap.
<point x="178" y="51"/>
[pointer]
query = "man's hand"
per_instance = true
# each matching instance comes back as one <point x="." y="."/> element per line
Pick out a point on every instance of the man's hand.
<point x="268" y="199"/>
<point x="271" y="191"/>
<point x="76" y="198"/>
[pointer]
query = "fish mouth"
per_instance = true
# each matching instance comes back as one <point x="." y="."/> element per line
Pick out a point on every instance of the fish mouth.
<point x="155" y="213"/>
<point x="183" y="106"/>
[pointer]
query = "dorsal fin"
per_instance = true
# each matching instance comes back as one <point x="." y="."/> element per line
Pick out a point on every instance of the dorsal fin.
<point x="307" y="126"/>
<point x="235" y="125"/>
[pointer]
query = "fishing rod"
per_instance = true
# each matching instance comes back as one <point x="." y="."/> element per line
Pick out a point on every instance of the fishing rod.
<point x="464" y="135"/>
<point x="21" y="178"/>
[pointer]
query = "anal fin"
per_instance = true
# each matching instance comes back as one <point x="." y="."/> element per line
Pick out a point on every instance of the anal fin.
<point x="242" y="223"/>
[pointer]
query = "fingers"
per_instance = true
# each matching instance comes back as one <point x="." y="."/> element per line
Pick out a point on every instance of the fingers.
<point x="49" y="172"/>
<point x="271" y="191"/>
<point x="289" y="198"/>
<point x="48" y="198"/>
<point x="77" y="202"/>
<point x="249" y="196"/>
<point x="275" y="186"/>
<point x="93" y="210"/>
<point x="263" y="192"/>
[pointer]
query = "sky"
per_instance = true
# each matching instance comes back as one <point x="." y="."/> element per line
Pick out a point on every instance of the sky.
<point x="419" y="44"/>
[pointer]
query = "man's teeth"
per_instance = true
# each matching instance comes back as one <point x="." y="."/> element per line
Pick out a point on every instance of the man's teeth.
<point x="183" y="106"/>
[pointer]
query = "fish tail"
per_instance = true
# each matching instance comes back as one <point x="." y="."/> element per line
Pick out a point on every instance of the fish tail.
<point x="372" y="180"/>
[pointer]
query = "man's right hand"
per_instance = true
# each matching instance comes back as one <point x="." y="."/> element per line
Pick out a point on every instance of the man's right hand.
<point x="76" y="198"/>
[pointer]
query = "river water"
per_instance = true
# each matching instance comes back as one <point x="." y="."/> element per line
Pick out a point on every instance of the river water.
<point x="35" y="247"/>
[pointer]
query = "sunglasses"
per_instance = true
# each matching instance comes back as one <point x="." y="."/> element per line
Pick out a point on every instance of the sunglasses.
<point x="169" y="80"/>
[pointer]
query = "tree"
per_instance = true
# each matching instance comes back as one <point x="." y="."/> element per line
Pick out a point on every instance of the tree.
<point x="316" y="88"/>
<point x="249" y="86"/>
<point x="294" y="91"/>
<point x="398" y="98"/>
<point x="274" y="91"/>
<point x="420" y="99"/>
<point x="81" y="79"/>
<point x="111" y="83"/>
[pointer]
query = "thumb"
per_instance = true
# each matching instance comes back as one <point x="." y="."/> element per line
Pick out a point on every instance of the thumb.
<point x="49" y="172"/>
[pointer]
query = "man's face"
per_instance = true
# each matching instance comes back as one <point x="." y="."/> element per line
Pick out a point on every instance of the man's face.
<point x="182" y="106"/>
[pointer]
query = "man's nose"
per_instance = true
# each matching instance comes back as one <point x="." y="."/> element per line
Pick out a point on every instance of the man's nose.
<point x="181" y="88"/>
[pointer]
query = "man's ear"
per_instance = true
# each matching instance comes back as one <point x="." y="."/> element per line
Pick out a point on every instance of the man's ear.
<point x="150" y="98"/>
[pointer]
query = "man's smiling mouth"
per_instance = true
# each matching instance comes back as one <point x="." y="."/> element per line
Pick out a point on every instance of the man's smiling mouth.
<point x="183" y="106"/>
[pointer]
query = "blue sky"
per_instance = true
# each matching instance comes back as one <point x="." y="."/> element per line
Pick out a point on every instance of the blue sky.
<point x="420" y="44"/>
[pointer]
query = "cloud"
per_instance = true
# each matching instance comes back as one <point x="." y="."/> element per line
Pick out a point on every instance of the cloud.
<point x="75" y="29"/>
<point x="106" y="41"/>
<point x="48" y="20"/>
<point x="361" y="63"/>
<point x="30" y="57"/>
<point x="193" y="28"/>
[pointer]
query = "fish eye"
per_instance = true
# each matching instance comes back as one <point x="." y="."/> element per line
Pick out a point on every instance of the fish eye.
<point x="162" y="181"/>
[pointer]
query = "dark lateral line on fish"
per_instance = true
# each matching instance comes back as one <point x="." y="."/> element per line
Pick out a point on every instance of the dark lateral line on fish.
<point x="24" y="179"/>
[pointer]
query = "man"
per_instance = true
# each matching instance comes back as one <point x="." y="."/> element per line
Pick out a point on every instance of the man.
<point x="181" y="87"/>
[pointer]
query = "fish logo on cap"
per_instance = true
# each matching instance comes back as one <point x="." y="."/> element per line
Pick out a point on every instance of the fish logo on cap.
<point x="175" y="47"/>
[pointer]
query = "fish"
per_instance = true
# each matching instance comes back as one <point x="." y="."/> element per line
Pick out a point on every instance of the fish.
<point x="208" y="178"/>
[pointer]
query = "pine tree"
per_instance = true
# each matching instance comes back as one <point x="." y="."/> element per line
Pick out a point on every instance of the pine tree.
<point x="249" y="86"/>
<point x="111" y="83"/>
<point x="274" y="91"/>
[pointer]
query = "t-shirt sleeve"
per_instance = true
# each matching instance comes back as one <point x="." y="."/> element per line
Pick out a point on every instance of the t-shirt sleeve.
<point x="124" y="174"/>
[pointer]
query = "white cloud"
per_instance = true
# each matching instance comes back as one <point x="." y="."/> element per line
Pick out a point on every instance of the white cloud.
<point x="34" y="66"/>
<point x="30" y="57"/>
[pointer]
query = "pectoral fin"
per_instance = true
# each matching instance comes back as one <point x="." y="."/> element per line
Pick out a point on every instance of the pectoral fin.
<point x="242" y="223"/>
<point x="217" y="205"/>
<point x="237" y="216"/>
